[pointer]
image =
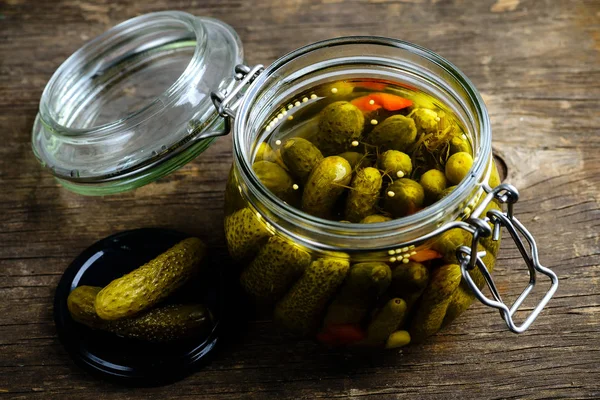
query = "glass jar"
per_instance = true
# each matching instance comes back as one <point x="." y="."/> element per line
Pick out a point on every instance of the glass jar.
<point x="374" y="287"/>
<point x="134" y="104"/>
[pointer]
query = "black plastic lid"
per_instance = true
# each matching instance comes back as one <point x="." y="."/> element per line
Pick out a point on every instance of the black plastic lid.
<point x="129" y="361"/>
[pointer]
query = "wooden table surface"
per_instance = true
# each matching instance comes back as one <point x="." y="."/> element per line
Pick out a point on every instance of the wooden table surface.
<point x="537" y="65"/>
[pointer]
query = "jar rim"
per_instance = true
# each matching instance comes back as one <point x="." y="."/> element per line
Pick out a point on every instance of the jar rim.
<point x="61" y="76"/>
<point x="405" y="225"/>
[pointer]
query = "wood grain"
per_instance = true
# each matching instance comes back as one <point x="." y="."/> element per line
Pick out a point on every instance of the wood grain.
<point x="537" y="64"/>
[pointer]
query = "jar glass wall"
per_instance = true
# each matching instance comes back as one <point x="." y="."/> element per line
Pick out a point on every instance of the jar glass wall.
<point x="356" y="284"/>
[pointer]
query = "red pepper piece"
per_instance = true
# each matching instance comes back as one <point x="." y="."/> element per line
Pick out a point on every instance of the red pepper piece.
<point x="373" y="85"/>
<point x="388" y="101"/>
<point x="326" y="338"/>
<point x="363" y="103"/>
<point x="341" y="335"/>
<point x="391" y="102"/>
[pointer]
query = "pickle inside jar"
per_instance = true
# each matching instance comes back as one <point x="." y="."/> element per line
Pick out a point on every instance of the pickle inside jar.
<point x="364" y="151"/>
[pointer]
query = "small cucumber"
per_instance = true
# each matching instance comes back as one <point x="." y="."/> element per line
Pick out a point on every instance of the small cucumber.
<point x="161" y="324"/>
<point x="147" y="285"/>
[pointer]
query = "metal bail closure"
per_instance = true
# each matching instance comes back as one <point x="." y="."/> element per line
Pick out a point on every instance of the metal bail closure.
<point x="508" y="194"/>
<point x="227" y="101"/>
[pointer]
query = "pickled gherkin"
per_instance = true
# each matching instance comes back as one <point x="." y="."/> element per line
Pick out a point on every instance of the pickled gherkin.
<point x="463" y="297"/>
<point x="395" y="164"/>
<point x="140" y="289"/>
<point x="397" y="339"/>
<point x="395" y="133"/>
<point x="266" y="153"/>
<point x="340" y="124"/>
<point x="426" y="120"/>
<point x="245" y="233"/>
<point x="161" y="324"/>
<point x="448" y="242"/>
<point x="458" y="167"/>
<point x="458" y="144"/>
<point x="276" y="179"/>
<point x="404" y="197"/>
<point x="446" y="192"/>
<point x="409" y="281"/>
<point x="82" y="307"/>
<point x="300" y="156"/>
<point x="363" y="285"/>
<point x="488" y="242"/>
<point x="325" y="185"/>
<point x="386" y="321"/>
<point x="434" y="183"/>
<point x="301" y="309"/>
<point x="364" y="194"/>
<point x="277" y="265"/>
<point x="356" y="160"/>
<point x="487" y="250"/>
<point x="166" y="323"/>
<point x="436" y="298"/>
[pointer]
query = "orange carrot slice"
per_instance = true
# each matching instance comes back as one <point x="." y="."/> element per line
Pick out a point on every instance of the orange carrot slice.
<point x="425" y="255"/>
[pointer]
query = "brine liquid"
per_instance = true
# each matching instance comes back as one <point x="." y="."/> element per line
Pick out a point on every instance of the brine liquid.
<point x="439" y="132"/>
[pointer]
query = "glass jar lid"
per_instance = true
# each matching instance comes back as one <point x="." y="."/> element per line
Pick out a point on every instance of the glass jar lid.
<point x="134" y="104"/>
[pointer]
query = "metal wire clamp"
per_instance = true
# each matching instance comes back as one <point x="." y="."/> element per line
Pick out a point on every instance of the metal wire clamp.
<point x="227" y="102"/>
<point x="509" y="195"/>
